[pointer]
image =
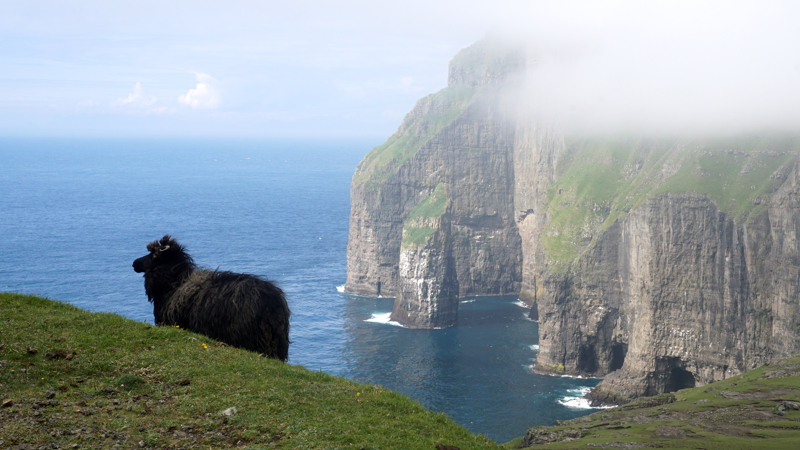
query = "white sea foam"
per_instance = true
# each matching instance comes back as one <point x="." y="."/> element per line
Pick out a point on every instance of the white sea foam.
<point x="522" y="305"/>
<point x="581" y="377"/>
<point x="579" y="391"/>
<point x="467" y="301"/>
<point x="576" y="399"/>
<point x="534" y="347"/>
<point x="383" y="318"/>
<point x="528" y="318"/>
<point x="340" y="288"/>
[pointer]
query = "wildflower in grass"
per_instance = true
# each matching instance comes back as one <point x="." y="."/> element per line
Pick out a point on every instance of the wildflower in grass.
<point x="205" y="346"/>
<point x="358" y="394"/>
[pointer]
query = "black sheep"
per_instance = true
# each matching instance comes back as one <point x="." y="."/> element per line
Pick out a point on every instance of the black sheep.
<point x="238" y="309"/>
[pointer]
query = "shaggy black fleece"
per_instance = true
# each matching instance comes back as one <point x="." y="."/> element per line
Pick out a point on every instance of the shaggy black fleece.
<point x="241" y="310"/>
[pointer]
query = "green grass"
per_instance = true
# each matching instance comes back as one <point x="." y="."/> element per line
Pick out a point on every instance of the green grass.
<point x="733" y="172"/>
<point x="417" y="128"/>
<point x="591" y="177"/>
<point x="279" y="405"/>
<point x="416" y="235"/>
<point x="701" y="417"/>
<point x="601" y="179"/>
<point x="415" y="228"/>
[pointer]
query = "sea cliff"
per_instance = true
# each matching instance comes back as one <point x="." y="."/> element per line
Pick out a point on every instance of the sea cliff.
<point x="657" y="263"/>
<point x="460" y="138"/>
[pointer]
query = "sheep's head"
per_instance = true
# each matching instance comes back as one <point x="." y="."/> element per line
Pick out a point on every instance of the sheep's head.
<point x="160" y="252"/>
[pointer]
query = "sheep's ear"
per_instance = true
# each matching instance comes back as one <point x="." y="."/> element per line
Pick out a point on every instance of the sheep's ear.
<point x="165" y="240"/>
<point x="160" y="250"/>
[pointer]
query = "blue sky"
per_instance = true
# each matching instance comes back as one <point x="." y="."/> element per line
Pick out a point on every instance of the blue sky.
<point x="338" y="69"/>
<point x="216" y="68"/>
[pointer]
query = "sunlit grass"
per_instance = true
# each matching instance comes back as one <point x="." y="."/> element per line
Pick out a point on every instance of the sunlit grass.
<point x="702" y="417"/>
<point x="600" y="180"/>
<point x="166" y="387"/>
<point x="431" y="114"/>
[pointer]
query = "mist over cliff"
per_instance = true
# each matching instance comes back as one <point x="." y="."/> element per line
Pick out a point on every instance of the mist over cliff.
<point x="657" y="250"/>
<point x="661" y="67"/>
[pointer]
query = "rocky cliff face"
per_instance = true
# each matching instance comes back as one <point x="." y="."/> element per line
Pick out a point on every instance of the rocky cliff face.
<point x="718" y="297"/>
<point x="677" y="292"/>
<point x="656" y="263"/>
<point x="426" y="297"/>
<point x="462" y="139"/>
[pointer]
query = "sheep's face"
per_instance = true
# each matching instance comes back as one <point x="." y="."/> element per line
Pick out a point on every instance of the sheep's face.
<point x="159" y="254"/>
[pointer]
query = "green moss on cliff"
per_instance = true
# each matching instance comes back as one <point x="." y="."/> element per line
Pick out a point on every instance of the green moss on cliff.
<point x="415" y="231"/>
<point x="601" y="180"/>
<point x="432" y="206"/>
<point x="430" y="115"/>
<point x="416" y="235"/>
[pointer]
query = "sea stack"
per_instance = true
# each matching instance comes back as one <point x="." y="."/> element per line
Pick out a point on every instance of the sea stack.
<point x="432" y="209"/>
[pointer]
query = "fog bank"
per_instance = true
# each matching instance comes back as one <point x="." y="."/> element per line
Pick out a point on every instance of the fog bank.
<point x="708" y="67"/>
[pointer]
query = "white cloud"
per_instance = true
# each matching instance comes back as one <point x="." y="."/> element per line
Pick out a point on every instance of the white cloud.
<point x="88" y="103"/>
<point x="137" y="98"/>
<point x="203" y="96"/>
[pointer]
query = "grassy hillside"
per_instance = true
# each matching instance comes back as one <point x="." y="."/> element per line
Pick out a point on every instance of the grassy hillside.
<point x="68" y="377"/>
<point x="98" y="380"/>
<point x="602" y="179"/>
<point x="429" y="116"/>
<point x="748" y="411"/>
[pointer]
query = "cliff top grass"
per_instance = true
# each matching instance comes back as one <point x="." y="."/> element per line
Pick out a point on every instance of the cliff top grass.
<point x="429" y="116"/>
<point x="68" y="376"/>
<point x="601" y="180"/>
<point x="751" y="410"/>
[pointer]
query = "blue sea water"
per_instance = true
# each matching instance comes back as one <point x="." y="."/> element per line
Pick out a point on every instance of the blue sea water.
<point x="75" y="213"/>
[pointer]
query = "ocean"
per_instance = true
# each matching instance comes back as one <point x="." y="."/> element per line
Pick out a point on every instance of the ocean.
<point x="75" y="213"/>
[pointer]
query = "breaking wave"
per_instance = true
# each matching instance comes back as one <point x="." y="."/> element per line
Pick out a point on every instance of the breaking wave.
<point x="576" y="399"/>
<point x="383" y="318"/>
<point x="580" y="377"/>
